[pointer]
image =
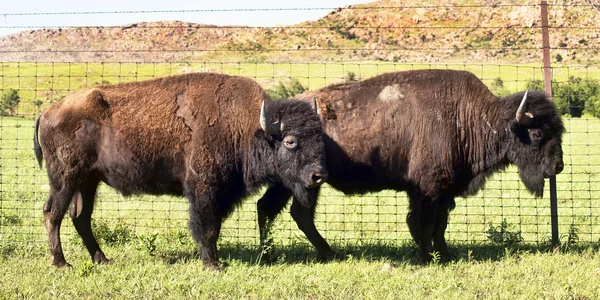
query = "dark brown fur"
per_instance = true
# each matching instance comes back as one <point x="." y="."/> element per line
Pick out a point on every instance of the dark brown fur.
<point x="196" y="135"/>
<point x="436" y="134"/>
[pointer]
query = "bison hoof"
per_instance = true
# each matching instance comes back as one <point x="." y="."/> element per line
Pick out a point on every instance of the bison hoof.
<point x="267" y="256"/>
<point x="62" y="265"/>
<point x="59" y="262"/>
<point x="100" y="259"/>
<point x="331" y="256"/>
<point x="214" y="266"/>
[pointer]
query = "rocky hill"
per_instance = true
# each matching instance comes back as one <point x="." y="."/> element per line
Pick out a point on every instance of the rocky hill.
<point x="405" y="31"/>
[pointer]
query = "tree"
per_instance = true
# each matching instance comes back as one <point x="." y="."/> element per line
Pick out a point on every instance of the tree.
<point x="10" y="100"/>
<point x="574" y="97"/>
<point x="38" y="104"/>
<point x="283" y="91"/>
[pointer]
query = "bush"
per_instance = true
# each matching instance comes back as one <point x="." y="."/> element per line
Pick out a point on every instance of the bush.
<point x="498" y="88"/>
<point x="351" y="76"/>
<point x="501" y="235"/>
<point x="10" y="100"/>
<point x="575" y="97"/>
<point x="283" y="91"/>
<point x="121" y="234"/>
<point x="38" y="104"/>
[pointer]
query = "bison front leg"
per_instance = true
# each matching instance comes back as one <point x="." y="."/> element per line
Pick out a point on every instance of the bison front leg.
<point x="421" y="223"/>
<point x="441" y="222"/>
<point x="81" y="215"/>
<point x="305" y="219"/>
<point x="205" y="224"/>
<point x="268" y="207"/>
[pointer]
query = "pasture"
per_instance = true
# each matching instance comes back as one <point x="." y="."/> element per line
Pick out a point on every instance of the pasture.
<point x="500" y="236"/>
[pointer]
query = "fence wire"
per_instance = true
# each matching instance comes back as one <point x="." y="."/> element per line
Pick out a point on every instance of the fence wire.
<point x="355" y="219"/>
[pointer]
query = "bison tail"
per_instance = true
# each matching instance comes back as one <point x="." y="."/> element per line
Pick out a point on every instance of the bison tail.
<point x="36" y="144"/>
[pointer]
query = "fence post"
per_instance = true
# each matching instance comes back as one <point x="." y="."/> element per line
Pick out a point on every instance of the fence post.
<point x="548" y="90"/>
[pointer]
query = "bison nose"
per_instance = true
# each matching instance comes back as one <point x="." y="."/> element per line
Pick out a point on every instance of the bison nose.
<point x="316" y="177"/>
<point x="559" y="167"/>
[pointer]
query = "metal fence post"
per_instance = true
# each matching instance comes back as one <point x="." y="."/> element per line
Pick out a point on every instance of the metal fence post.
<point x="548" y="90"/>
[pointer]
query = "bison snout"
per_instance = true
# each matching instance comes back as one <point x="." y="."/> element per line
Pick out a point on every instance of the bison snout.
<point x="316" y="177"/>
<point x="554" y="169"/>
<point x="559" y="167"/>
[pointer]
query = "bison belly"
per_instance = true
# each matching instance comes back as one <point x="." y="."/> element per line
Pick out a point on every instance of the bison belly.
<point x="141" y="169"/>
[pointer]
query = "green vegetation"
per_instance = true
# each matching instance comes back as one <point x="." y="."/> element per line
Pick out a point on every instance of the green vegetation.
<point x="574" y="97"/>
<point x="503" y="236"/>
<point x="283" y="91"/>
<point x="10" y="100"/>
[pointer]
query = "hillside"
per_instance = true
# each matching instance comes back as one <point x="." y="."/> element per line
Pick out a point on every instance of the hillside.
<point x="403" y="31"/>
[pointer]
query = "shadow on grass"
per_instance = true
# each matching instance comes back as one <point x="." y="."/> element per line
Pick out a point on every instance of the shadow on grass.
<point x="404" y="253"/>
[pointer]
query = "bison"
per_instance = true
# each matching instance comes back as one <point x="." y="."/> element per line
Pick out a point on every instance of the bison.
<point x="204" y="136"/>
<point x="436" y="134"/>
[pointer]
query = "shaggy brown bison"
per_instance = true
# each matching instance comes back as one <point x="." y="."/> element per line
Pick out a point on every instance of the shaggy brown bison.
<point x="436" y="134"/>
<point x="205" y="136"/>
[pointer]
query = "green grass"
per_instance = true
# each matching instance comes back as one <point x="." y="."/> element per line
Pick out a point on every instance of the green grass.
<point x="378" y="273"/>
<point x="156" y="258"/>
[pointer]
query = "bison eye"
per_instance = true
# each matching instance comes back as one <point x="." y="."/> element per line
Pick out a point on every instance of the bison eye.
<point x="290" y="142"/>
<point x="535" y="135"/>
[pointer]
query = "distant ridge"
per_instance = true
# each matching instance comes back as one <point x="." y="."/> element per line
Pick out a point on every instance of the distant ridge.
<point x="401" y="31"/>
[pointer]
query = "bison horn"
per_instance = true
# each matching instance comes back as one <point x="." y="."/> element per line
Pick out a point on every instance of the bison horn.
<point x="314" y="105"/>
<point x="524" y="118"/>
<point x="268" y="127"/>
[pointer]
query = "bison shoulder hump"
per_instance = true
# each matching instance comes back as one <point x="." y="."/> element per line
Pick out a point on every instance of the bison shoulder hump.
<point x="87" y="102"/>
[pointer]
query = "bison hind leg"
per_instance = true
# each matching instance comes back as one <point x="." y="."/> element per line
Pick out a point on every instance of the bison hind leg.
<point x="54" y="210"/>
<point x="81" y="215"/>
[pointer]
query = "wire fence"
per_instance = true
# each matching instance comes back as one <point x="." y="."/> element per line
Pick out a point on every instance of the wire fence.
<point x="354" y="219"/>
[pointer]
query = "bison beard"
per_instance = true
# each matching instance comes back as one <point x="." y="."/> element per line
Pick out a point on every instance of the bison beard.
<point x="436" y="134"/>
<point x="198" y="135"/>
<point x="533" y="179"/>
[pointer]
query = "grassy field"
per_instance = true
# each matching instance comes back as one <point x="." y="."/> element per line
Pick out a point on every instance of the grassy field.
<point x="156" y="258"/>
<point x="138" y="275"/>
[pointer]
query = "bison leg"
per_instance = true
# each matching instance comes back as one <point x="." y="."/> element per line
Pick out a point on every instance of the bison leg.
<point x="268" y="207"/>
<point x="81" y="215"/>
<point x="205" y="224"/>
<point x="421" y="223"/>
<point x="305" y="219"/>
<point x="54" y="210"/>
<point x="441" y="222"/>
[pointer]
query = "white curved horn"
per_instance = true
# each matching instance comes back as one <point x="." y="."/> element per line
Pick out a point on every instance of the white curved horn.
<point x="268" y="127"/>
<point x="524" y="118"/>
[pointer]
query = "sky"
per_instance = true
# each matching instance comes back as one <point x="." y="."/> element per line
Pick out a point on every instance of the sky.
<point x="24" y="15"/>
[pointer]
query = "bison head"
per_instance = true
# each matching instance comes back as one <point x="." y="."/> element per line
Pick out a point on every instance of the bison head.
<point x="294" y="136"/>
<point x="536" y="132"/>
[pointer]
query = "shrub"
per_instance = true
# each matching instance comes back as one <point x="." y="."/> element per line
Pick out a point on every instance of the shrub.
<point x="351" y="76"/>
<point x="498" y="88"/>
<point x="38" y="104"/>
<point x="501" y="235"/>
<point x="120" y="235"/>
<point x="10" y="100"/>
<point x="283" y="91"/>
<point x="574" y="97"/>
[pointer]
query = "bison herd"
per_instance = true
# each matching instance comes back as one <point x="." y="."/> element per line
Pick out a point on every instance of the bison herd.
<point x="215" y="139"/>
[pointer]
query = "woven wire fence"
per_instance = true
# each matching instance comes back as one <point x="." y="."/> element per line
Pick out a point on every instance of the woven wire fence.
<point x="353" y="219"/>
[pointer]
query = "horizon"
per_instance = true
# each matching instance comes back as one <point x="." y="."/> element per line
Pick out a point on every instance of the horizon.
<point x="19" y="16"/>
